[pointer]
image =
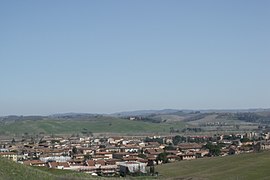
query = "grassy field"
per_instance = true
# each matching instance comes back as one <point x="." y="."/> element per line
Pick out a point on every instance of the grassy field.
<point x="95" y="125"/>
<point x="238" y="167"/>
<point x="12" y="171"/>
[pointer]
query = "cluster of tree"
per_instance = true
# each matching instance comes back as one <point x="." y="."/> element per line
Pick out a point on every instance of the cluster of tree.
<point x="169" y="148"/>
<point x="246" y="116"/>
<point x="230" y="137"/>
<point x="197" y="116"/>
<point x="21" y="118"/>
<point x="197" y="140"/>
<point x="245" y="139"/>
<point x="214" y="149"/>
<point x="179" y="139"/>
<point x="172" y="130"/>
<point x="163" y="157"/>
<point x="182" y="139"/>
<point x="86" y="132"/>
<point x="159" y="140"/>
<point x="192" y="130"/>
<point x="149" y="118"/>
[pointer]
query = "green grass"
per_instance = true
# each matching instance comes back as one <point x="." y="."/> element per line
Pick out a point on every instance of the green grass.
<point x="95" y="125"/>
<point x="11" y="170"/>
<point x="238" y="167"/>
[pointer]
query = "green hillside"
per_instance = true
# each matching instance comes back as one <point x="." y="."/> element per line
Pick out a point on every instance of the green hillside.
<point x="12" y="171"/>
<point x="238" y="167"/>
<point x="95" y="125"/>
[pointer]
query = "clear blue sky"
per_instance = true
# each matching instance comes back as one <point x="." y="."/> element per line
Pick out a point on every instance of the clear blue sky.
<point x="108" y="56"/>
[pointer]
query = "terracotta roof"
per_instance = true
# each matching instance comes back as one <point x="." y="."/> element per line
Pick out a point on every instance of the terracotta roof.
<point x="33" y="162"/>
<point x="172" y="156"/>
<point x="103" y="153"/>
<point x="130" y="158"/>
<point x="154" y="151"/>
<point x="112" y="161"/>
<point x="90" y="163"/>
<point x="7" y="153"/>
<point x="189" y="146"/>
<point x="154" y="143"/>
<point x="56" y="164"/>
<point x="101" y="162"/>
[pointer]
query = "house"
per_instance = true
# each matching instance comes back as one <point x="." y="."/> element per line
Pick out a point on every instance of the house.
<point x="99" y="167"/>
<point x="112" y="149"/>
<point x="233" y="150"/>
<point x="189" y="147"/>
<point x="35" y="163"/>
<point x="10" y="155"/>
<point x="224" y="152"/>
<point x="154" y="152"/>
<point x="78" y="156"/>
<point x="130" y="148"/>
<point x="86" y="150"/>
<point x="120" y="155"/>
<point x="55" y="158"/>
<point x="115" y="140"/>
<point x="153" y="144"/>
<point x="172" y="158"/>
<point x="188" y="156"/>
<point x="262" y="145"/>
<point x="106" y="155"/>
<point x="132" y="167"/>
<point x="201" y="153"/>
<point x="58" y="165"/>
<point x="174" y="152"/>
<point x="246" y="149"/>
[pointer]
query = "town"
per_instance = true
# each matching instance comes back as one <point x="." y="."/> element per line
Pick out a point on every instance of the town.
<point x="125" y="155"/>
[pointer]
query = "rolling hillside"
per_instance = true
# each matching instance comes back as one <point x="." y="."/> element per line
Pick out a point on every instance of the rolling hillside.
<point x="148" y="122"/>
<point x="95" y="125"/>
<point x="238" y="167"/>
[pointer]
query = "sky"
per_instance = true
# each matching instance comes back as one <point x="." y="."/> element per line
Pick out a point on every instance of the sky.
<point x="111" y="56"/>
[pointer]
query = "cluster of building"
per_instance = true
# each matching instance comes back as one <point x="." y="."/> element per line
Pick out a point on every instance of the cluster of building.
<point x="114" y="156"/>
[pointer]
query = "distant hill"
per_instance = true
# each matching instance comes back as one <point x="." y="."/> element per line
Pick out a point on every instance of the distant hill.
<point x="72" y="115"/>
<point x="145" y="112"/>
<point x="145" y="121"/>
<point x="185" y="111"/>
<point x="84" y="125"/>
<point x="243" y="167"/>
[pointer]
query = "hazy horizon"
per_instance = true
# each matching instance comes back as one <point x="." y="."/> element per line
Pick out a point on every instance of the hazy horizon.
<point x="105" y="57"/>
<point x="134" y="110"/>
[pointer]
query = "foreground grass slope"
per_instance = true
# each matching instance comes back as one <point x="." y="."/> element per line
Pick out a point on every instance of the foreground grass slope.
<point x="11" y="170"/>
<point x="241" y="167"/>
<point x="95" y="125"/>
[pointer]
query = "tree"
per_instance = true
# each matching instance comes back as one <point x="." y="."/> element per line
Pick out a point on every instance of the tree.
<point x="142" y="156"/>
<point x="163" y="157"/>
<point x="170" y="147"/>
<point x="245" y="139"/>
<point x="74" y="150"/>
<point x="87" y="156"/>
<point x="178" y="139"/>
<point x="214" y="150"/>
